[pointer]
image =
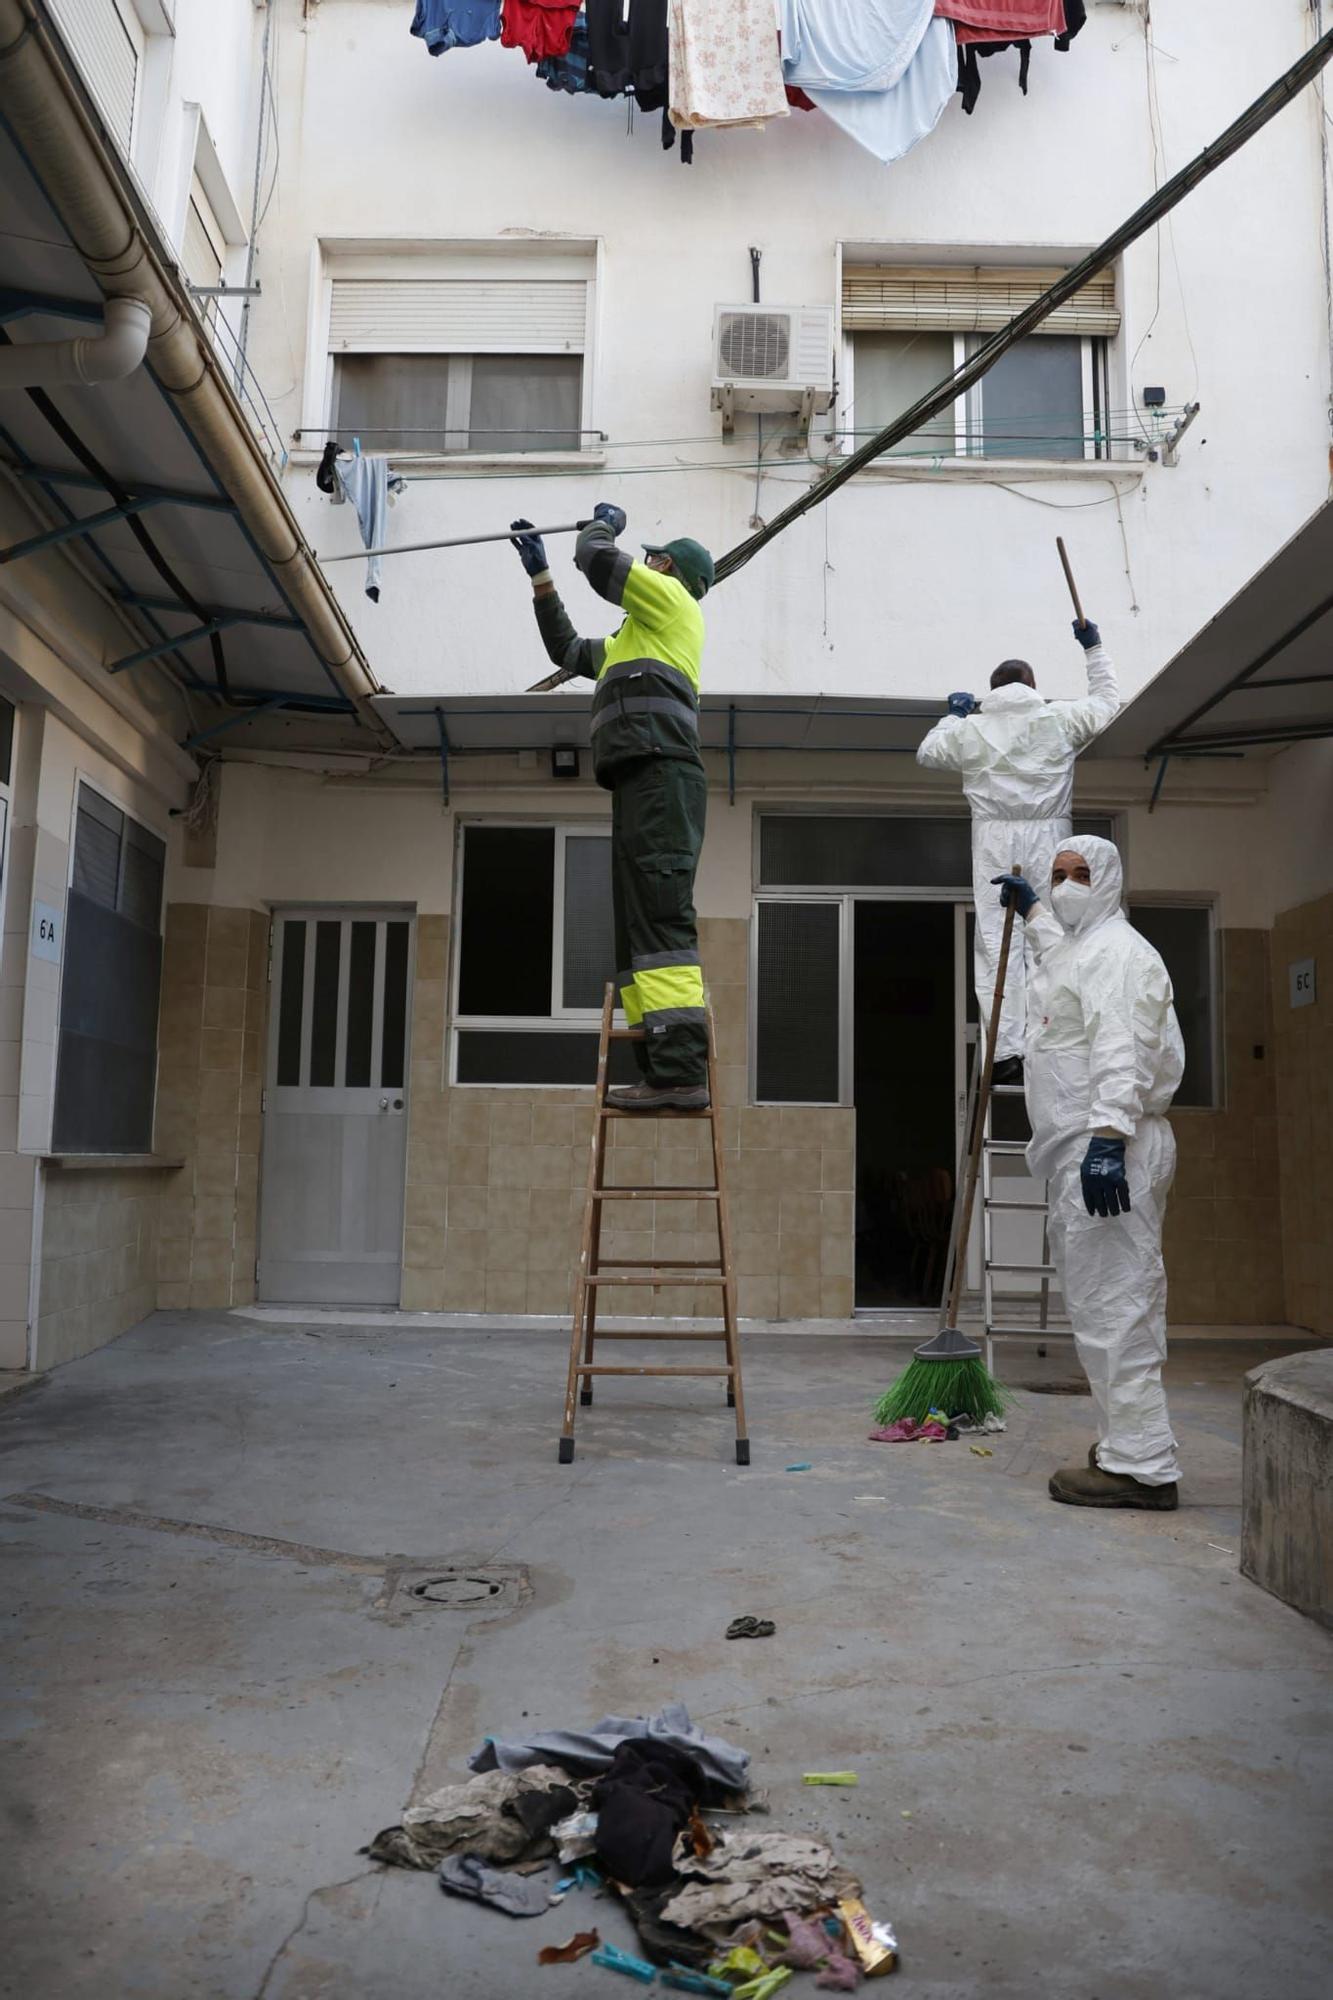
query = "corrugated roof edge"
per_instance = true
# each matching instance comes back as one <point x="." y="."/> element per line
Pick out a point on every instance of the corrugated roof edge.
<point x="119" y="241"/>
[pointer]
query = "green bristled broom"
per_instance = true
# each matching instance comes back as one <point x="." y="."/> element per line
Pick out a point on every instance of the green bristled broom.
<point x="948" y="1373"/>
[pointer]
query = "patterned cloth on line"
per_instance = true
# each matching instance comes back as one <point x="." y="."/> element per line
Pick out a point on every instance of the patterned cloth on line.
<point x="725" y="65"/>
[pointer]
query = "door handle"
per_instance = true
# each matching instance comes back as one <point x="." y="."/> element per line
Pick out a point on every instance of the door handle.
<point x="396" y="1106"/>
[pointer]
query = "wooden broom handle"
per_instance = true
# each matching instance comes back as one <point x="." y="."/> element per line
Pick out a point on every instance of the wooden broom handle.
<point x="1069" y="579"/>
<point x="979" y="1127"/>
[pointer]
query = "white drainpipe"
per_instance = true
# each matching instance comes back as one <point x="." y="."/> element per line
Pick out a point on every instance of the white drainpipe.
<point x="108" y="356"/>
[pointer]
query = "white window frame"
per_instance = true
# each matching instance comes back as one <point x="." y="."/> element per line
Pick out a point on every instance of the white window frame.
<point x="571" y="257"/>
<point x="848" y="895"/>
<point x="82" y="782"/>
<point x="969" y="421"/>
<point x="1168" y="899"/>
<point x="561" y="1019"/>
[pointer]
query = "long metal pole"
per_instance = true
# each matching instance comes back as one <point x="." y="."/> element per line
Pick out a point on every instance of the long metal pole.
<point x="457" y="542"/>
<point x="947" y="392"/>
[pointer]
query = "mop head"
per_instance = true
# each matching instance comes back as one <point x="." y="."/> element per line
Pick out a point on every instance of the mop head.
<point x="960" y="1388"/>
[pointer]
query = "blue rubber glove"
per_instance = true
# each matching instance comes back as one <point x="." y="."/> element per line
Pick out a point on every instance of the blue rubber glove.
<point x="531" y="549"/>
<point x="1105" y="1188"/>
<point x="1015" y="889"/>
<point x="1087" y="634"/>
<point x="614" y="517"/>
<point x="962" y="703"/>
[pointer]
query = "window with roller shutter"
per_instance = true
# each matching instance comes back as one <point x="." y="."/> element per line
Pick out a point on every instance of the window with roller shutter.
<point x="107" y="42"/>
<point x="473" y="363"/>
<point x="908" y="326"/>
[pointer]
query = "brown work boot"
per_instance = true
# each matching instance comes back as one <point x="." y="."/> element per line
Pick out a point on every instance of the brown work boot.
<point x="658" y="1097"/>
<point x="1089" y="1486"/>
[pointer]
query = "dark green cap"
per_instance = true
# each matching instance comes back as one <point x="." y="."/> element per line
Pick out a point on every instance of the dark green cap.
<point x="692" y="561"/>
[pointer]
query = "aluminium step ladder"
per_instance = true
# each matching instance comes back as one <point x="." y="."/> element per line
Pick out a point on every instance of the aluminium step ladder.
<point x="596" y="1272"/>
<point x="1047" y="1327"/>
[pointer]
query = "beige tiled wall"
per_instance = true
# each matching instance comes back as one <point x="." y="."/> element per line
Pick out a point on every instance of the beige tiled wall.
<point x="99" y="1257"/>
<point x="1223" y="1237"/>
<point x="210" y="1071"/>
<point x="495" y="1178"/>
<point x="1303" y="1038"/>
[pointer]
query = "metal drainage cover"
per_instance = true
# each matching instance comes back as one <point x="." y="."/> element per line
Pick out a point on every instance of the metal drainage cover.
<point x="457" y="1591"/>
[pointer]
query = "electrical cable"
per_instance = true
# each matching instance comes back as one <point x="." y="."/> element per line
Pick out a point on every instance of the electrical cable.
<point x="1150" y="212"/>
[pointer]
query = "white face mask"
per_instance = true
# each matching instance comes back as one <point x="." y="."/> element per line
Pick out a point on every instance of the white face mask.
<point x="1070" y="902"/>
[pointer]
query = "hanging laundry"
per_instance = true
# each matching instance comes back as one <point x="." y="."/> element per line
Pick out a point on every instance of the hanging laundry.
<point x="1061" y="18"/>
<point x="887" y="122"/>
<point x="456" y="24"/>
<point x="1003" y="20"/>
<point x="540" y="28"/>
<point x="851" y="44"/>
<point x="1076" y="17"/>
<point x="365" y="483"/>
<point x="568" y="72"/>
<point x="725" y="67"/>
<point x="627" y="50"/>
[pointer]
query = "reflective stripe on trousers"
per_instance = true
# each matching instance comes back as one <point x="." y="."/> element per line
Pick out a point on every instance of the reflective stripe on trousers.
<point x="629" y="999"/>
<point x="669" y="989"/>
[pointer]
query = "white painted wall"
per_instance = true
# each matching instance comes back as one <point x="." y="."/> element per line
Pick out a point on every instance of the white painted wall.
<point x="898" y="586"/>
<point x="301" y="837"/>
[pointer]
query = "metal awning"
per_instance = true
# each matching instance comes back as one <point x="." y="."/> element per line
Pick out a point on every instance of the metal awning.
<point x="1257" y="677"/>
<point x="498" y="725"/>
<point x="116" y="475"/>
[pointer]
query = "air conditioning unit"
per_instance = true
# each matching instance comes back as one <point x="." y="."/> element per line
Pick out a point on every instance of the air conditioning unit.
<point x="772" y="359"/>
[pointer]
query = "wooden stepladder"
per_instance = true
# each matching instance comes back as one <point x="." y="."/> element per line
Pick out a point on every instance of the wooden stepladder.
<point x="596" y="1272"/>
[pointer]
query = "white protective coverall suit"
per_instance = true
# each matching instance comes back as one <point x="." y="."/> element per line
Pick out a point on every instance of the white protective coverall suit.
<point x="1016" y="757"/>
<point x="1104" y="1054"/>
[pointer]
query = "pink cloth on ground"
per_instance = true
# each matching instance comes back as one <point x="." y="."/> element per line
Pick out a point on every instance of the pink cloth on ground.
<point x="908" y="1431"/>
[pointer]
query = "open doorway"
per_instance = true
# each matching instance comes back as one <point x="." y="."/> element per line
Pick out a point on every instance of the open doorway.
<point x="906" y="1040"/>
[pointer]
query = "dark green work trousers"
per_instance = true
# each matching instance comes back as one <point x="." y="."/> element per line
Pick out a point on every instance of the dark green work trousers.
<point x="658" y="805"/>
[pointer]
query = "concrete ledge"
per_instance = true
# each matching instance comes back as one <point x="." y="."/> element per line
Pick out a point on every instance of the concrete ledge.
<point x="1287" y="1505"/>
<point x="107" y="1162"/>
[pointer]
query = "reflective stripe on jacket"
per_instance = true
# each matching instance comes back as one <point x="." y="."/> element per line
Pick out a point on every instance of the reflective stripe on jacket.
<point x="647" y="672"/>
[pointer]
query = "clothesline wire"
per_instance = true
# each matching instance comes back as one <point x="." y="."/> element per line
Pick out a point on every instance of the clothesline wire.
<point x="533" y="475"/>
<point x="693" y="437"/>
<point x="1149" y="213"/>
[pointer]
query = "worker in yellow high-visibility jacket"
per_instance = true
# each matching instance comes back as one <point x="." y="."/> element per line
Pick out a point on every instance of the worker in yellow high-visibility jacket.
<point x="645" y="745"/>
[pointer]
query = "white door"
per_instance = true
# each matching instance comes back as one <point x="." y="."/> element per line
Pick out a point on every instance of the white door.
<point x="335" y="1108"/>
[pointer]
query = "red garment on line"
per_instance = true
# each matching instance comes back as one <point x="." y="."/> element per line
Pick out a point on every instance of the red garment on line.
<point x="539" y="27"/>
<point x="1002" y="20"/>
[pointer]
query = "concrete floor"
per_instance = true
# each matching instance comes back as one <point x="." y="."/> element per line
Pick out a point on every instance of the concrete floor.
<point x="1094" y="1761"/>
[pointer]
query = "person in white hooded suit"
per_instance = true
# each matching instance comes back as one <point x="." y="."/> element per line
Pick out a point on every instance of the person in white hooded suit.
<point x="1015" y="754"/>
<point x="1104" y="1058"/>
